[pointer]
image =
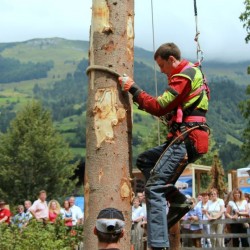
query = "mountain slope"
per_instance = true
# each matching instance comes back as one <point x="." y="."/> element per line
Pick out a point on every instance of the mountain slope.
<point x="64" y="89"/>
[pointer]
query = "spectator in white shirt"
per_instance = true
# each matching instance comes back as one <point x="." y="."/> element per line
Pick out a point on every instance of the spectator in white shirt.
<point x="27" y="205"/>
<point x="77" y="214"/>
<point x="215" y="211"/>
<point x="203" y="204"/>
<point x="141" y="196"/>
<point x="238" y="208"/>
<point x="137" y="218"/>
<point x="39" y="209"/>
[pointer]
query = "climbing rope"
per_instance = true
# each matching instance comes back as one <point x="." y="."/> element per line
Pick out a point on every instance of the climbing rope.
<point x="155" y="72"/>
<point x="102" y="68"/>
<point x="199" y="51"/>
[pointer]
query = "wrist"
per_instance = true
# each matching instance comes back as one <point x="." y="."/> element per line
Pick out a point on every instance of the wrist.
<point x="135" y="90"/>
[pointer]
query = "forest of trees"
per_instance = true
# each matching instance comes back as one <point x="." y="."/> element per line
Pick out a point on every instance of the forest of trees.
<point x="34" y="156"/>
<point x="12" y="70"/>
<point x="67" y="97"/>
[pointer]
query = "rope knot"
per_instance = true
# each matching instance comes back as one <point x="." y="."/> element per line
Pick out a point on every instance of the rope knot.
<point x="197" y="36"/>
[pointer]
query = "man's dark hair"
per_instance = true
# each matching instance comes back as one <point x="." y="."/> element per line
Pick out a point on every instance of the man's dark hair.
<point x="108" y="238"/>
<point x="166" y="50"/>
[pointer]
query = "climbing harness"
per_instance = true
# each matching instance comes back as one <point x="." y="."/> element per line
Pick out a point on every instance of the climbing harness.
<point x="182" y="137"/>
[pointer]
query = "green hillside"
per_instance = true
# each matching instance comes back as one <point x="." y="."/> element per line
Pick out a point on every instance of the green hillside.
<point x="61" y="85"/>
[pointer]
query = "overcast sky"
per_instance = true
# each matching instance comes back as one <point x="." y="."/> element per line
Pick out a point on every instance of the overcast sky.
<point x="222" y="35"/>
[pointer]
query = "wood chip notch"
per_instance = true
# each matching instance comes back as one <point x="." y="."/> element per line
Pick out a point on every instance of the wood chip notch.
<point x="106" y="114"/>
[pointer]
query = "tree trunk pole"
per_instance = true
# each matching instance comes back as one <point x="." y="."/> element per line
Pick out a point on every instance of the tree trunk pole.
<point x="174" y="237"/>
<point x="109" y="123"/>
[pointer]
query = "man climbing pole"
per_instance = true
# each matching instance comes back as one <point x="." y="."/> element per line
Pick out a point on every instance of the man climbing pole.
<point x="183" y="106"/>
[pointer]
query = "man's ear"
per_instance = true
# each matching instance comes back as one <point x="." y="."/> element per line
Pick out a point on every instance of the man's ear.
<point x="122" y="233"/>
<point x="95" y="231"/>
<point x="172" y="59"/>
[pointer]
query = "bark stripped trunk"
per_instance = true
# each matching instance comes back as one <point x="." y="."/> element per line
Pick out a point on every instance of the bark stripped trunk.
<point x="109" y="126"/>
<point x="174" y="237"/>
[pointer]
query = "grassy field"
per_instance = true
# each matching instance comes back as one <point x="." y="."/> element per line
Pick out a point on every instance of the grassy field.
<point x="233" y="140"/>
<point x="65" y="54"/>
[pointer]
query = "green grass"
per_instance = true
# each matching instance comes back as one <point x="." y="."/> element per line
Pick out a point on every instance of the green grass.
<point x="65" y="54"/>
<point x="233" y="140"/>
<point x="67" y="123"/>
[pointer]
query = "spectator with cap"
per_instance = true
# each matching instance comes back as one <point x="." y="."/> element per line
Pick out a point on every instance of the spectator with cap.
<point x="109" y="228"/>
<point x="5" y="213"/>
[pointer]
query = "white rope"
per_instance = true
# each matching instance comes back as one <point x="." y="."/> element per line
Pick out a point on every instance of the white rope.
<point x="199" y="51"/>
<point x="155" y="72"/>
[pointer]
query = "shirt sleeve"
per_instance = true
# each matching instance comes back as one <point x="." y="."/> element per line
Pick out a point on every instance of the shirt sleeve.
<point x="33" y="207"/>
<point x="7" y="213"/>
<point x="79" y="213"/>
<point x="199" y="213"/>
<point x="221" y="202"/>
<point x="142" y="212"/>
<point x="178" y="89"/>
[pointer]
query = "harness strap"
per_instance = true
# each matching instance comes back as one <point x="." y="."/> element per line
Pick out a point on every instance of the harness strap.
<point x="191" y="108"/>
<point x="195" y="93"/>
<point x="199" y="119"/>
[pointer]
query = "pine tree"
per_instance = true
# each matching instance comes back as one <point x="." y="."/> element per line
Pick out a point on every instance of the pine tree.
<point x="217" y="177"/>
<point x="33" y="156"/>
<point x="245" y="18"/>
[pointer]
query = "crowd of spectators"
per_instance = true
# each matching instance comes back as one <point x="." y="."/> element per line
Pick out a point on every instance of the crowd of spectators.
<point x="211" y="207"/>
<point x="207" y="206"/>
<point x="42" y="211"/>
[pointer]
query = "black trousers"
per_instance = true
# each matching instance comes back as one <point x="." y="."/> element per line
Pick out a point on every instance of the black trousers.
<point x="238" y="228"/>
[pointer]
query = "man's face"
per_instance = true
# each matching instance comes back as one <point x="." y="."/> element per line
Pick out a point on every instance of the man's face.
<point x="136" y="203"/>
<point x="27" y="204"/>
<point x="199" y="198"/>
<point x="71" y="202"/>
<point x="20" y="210"/>
<point x="140" y="196"/>
<point x="43" y="196"/>
<point x="164" y="65"/>
<point x="205" y="198"/>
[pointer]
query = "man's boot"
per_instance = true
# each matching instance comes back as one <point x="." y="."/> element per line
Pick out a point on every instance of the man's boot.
<point x="177" y="211"/>
<point x="179" y="206"/>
